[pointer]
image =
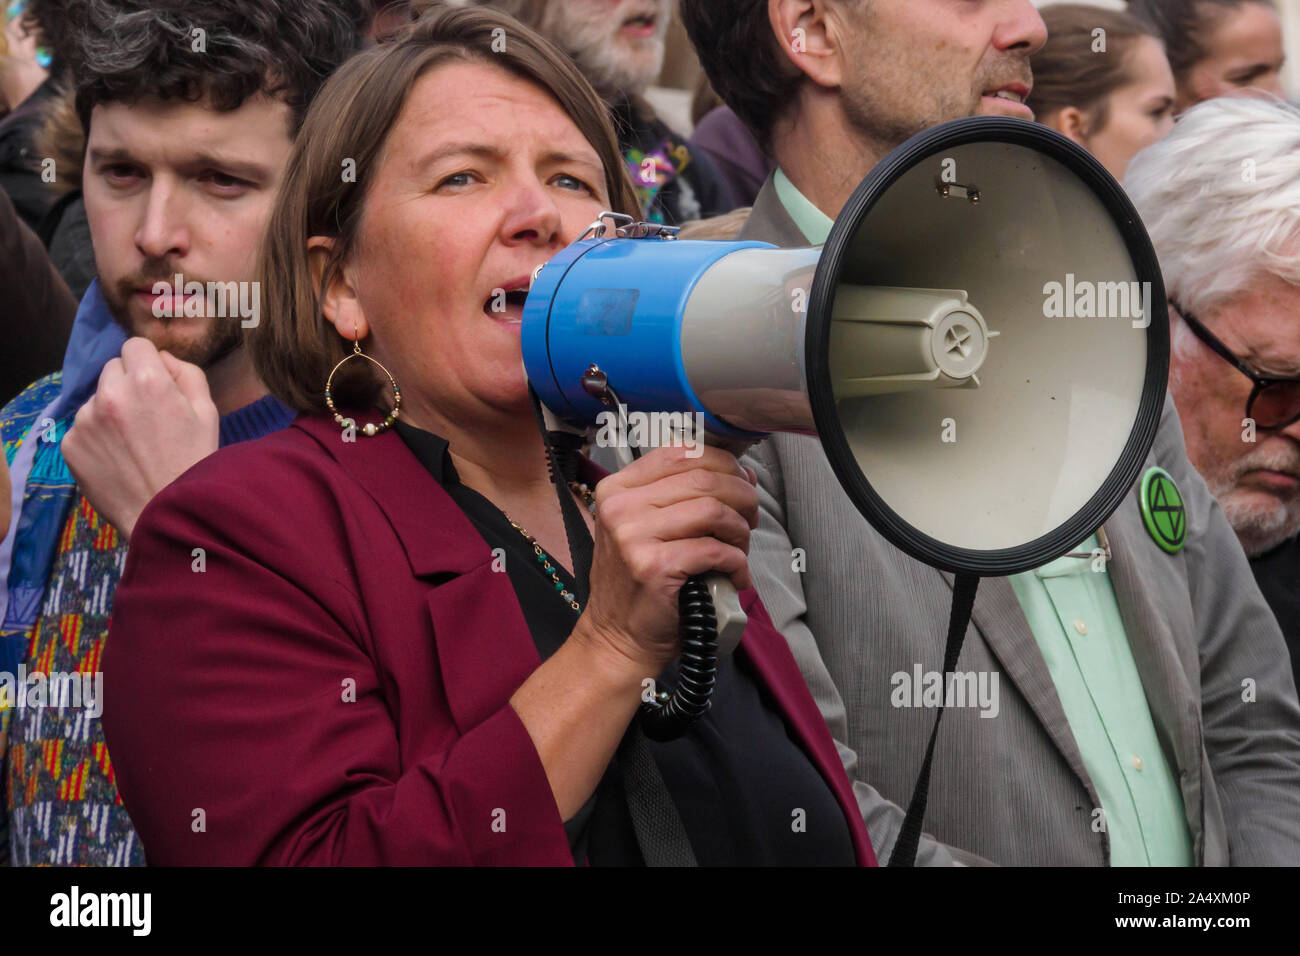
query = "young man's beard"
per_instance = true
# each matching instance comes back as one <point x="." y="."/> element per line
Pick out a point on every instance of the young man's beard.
<point x="216" y="342"/>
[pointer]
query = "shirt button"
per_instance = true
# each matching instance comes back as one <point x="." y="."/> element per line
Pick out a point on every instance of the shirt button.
<point x="1081" y="627"/>
<point x="1137" y="762"/>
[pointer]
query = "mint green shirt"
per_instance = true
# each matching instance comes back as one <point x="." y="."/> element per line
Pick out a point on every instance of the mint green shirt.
<point x="1071" y="608"/>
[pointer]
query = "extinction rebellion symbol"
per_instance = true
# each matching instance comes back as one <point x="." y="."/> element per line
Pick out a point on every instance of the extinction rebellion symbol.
<point x="1162" y="510"/>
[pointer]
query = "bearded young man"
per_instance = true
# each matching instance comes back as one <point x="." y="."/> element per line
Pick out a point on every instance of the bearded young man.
<point x="189" y="112"/>
<point x="619" y="47"/>
<point x="1234" y="292"/>
<point x="1124" y="733"/>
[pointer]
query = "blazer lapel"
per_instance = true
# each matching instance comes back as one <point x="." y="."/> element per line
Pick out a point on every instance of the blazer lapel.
<point x="1001" y="622"/>
<point x="485" y="650"/>
<point x="769" y="222"/>
<point x="780" y="677"/>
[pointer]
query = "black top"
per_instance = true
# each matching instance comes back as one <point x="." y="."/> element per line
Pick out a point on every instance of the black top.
<point x="746" y="793"/>
<point x="1277" y="573"/>
<point x="20" y="166"/>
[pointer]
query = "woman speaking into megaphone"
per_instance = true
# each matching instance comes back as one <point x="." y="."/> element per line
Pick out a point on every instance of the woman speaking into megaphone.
<point x="362" y="640"/>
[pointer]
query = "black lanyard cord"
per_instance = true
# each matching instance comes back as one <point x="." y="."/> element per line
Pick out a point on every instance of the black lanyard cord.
<point x="909" y="837"/>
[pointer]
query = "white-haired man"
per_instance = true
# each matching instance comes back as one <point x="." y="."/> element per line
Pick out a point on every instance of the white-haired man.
<point x="1221" y="199"/>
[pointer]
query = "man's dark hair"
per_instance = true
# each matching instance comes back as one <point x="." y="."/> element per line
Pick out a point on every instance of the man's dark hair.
<point x="741" y="56"/>
<point x="127" y="50"/>
<point x="1182" y="24"/>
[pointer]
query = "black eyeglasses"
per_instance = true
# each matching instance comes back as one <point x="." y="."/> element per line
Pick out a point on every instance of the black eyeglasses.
<point x="1274" y="403"/>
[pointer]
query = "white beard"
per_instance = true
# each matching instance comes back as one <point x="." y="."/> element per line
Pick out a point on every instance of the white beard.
<point x="615" y="67"/>
<point x="1259" y="527"/>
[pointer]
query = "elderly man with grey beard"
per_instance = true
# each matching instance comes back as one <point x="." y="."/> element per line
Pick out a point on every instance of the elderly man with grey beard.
<point x="1221" y="199"/>
<point x="619" y="46"/>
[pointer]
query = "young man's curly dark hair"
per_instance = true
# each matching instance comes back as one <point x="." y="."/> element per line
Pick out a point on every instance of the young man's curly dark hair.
<point x="126" y="50"/>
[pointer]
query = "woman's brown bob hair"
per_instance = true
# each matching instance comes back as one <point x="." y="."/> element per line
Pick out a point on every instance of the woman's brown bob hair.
<point x="332" y="165"/>
<point x="1069" y="71"/>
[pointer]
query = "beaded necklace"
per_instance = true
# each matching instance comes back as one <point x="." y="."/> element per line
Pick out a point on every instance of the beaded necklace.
<point x="550" y="565"/>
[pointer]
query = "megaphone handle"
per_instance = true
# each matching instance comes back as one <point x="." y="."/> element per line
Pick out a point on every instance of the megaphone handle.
<point x="731" y="620"/>
<point x="712" y="624"/>
<point x="726" y="602"/>
<point x="712" y="621"/>
<point x="669" y="716"/>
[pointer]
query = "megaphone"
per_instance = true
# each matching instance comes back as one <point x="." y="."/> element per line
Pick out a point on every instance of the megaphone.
<point x="981" y="345"/>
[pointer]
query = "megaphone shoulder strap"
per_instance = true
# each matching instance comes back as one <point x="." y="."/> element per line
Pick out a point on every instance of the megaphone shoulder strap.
<point x="909" y="838"/>
<point x="660" y="833"/>
<point x="581" y="545"/>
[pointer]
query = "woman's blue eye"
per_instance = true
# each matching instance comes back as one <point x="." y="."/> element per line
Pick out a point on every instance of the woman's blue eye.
<point x="456" y="179"/>
<point x="578" y="183"/>
<point x="224" y="180"/>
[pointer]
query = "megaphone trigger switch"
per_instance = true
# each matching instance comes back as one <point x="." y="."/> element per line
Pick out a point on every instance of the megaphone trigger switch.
<point x="959" y="344"/>
<point x="596" y="384"/>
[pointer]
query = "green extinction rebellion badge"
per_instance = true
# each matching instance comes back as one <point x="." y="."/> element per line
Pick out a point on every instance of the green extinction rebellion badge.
<point x="1162" y="509"/>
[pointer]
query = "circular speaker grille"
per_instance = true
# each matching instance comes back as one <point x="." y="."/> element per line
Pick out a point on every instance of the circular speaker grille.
<point x="1005" y="475"/>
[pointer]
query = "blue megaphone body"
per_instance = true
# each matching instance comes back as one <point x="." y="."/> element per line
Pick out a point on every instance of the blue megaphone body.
<point x="621" y="303"/>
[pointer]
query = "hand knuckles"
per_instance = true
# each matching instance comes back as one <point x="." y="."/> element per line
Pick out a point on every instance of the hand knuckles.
<point x="700" y="480"/>
<point x="715" y="512"/>
<point x="605" y="492"/>
<point x="624" y="537"/>
<point x="610" y="510"/>
<point x="736" y="526"/>
<point x="110" y="403"/>
<point x="724" y="555"/>
<point x="640" y="563"/>
<point x="148" y="380"/>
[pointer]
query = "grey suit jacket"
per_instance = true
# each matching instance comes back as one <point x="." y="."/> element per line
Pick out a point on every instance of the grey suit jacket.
<point x="1013" y="788"/>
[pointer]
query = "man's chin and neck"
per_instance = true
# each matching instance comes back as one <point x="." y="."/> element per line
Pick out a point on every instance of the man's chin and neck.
<point x="826" y="148"/>
<point x="621" y="86"/>
<point x="829" y="139"/>
<point x="218" y="350"/>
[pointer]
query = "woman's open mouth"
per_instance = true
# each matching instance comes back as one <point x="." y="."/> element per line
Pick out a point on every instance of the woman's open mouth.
<point x="506" y="305"/>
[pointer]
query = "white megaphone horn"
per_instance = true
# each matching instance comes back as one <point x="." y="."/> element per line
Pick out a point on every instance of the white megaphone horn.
<point x="981" y="345"/>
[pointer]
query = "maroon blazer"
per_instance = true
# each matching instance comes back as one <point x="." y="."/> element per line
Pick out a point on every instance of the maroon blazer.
<point x="311" y="661"/>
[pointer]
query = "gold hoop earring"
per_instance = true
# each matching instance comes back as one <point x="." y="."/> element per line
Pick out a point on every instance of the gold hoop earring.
<point x="370" y="429"/>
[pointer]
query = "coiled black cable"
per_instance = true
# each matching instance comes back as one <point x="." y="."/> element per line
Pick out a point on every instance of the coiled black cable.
<point x="669" y="716"/>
